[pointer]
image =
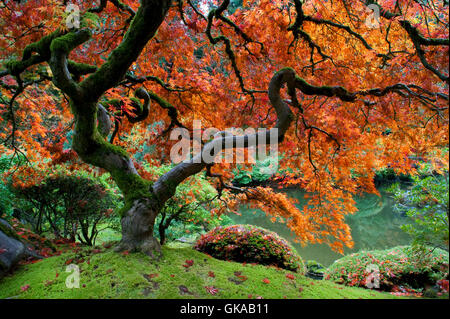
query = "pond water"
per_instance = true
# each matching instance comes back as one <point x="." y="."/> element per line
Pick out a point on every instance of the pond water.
<point x="375" y="226"/>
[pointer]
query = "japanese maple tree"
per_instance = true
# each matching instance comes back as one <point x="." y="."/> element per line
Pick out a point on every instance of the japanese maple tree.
<point x="366" y="87"/>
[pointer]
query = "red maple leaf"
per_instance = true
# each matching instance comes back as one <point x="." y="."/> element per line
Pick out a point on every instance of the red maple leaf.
<point x="211" y="290"/>
<point x="25" y="288"/>
<point x="68" y="261"/>
<point x="290" y="276"/>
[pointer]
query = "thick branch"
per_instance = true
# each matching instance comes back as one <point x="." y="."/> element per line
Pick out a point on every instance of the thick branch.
<point x="60" y="49"/>
<point x="145" y="23"/>
<point x="165" y="187"/>
<point x="141" y="110"/>
<point x="104" y="122"/>
<point x="418" y="40"/>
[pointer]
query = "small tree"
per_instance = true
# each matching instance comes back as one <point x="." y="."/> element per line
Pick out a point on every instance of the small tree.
<point x="71" y="206"/>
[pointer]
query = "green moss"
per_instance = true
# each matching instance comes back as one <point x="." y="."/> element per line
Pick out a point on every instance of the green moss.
<point x="42" y="47"/>
<point x="110" y="275"/>
<point x="138" y="188"/>
<point x="88" y="19"/>
<point x="80" y="68"/>
<point x="62" y="44"/>
<point x="164" y="103"/>
<point x="286" y="69"/>
<point x="94" y="149"/>
<point x="69" y="41"/>
<point x="302" y="81"/>
<point x="132" y="185"/>
<point x="108" y="147"/>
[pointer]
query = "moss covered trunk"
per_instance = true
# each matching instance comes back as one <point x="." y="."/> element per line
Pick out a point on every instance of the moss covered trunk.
<point x="92" y="123"/>
<point x="141" y="206"/>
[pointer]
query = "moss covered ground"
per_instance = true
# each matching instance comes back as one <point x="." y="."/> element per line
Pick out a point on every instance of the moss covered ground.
<point x="181" y="273"/>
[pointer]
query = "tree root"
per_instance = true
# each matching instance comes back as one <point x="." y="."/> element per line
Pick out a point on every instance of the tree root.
<point x="150" y="246"/>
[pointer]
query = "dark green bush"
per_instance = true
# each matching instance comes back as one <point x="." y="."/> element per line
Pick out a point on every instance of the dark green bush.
<point x="251" y="244"/>
<point x="314" y="266"/>
<point x="69" y="206"/>
<point x="388" y="176"/>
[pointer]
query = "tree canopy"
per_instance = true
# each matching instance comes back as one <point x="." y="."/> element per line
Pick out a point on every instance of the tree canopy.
<point x="366" y="88"/>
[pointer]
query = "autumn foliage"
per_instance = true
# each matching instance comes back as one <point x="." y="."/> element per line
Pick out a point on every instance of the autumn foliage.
<point x="377" y="96"/>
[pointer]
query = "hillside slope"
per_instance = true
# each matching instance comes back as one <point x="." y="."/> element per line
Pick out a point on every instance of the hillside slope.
<point x="181" y="273"/>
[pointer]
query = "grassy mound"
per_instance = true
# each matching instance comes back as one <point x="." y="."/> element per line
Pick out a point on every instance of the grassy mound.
<point x="251" y="244"/>
<point x="397" y="266"/>
<point x="181" y="273"/>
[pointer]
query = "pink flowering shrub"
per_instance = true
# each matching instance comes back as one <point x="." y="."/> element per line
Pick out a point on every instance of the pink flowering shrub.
<point x="400" y="268"/>
<point x="250" y="244"/>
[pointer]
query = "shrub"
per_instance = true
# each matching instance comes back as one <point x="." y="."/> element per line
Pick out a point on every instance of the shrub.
<point x="387" y="176"/>
<point x="398" y="266"/>
<point x="71" y="206"/>
<point x="251" y="244"/>
<point x="315" y="267"/>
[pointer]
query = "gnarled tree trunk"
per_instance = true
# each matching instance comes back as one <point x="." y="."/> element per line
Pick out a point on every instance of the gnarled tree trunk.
<point x="92" y="124"/>
<point x="137" y="228"/>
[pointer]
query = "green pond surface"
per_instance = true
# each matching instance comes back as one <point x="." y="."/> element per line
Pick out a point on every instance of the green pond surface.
<point x="375" y="226"/>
